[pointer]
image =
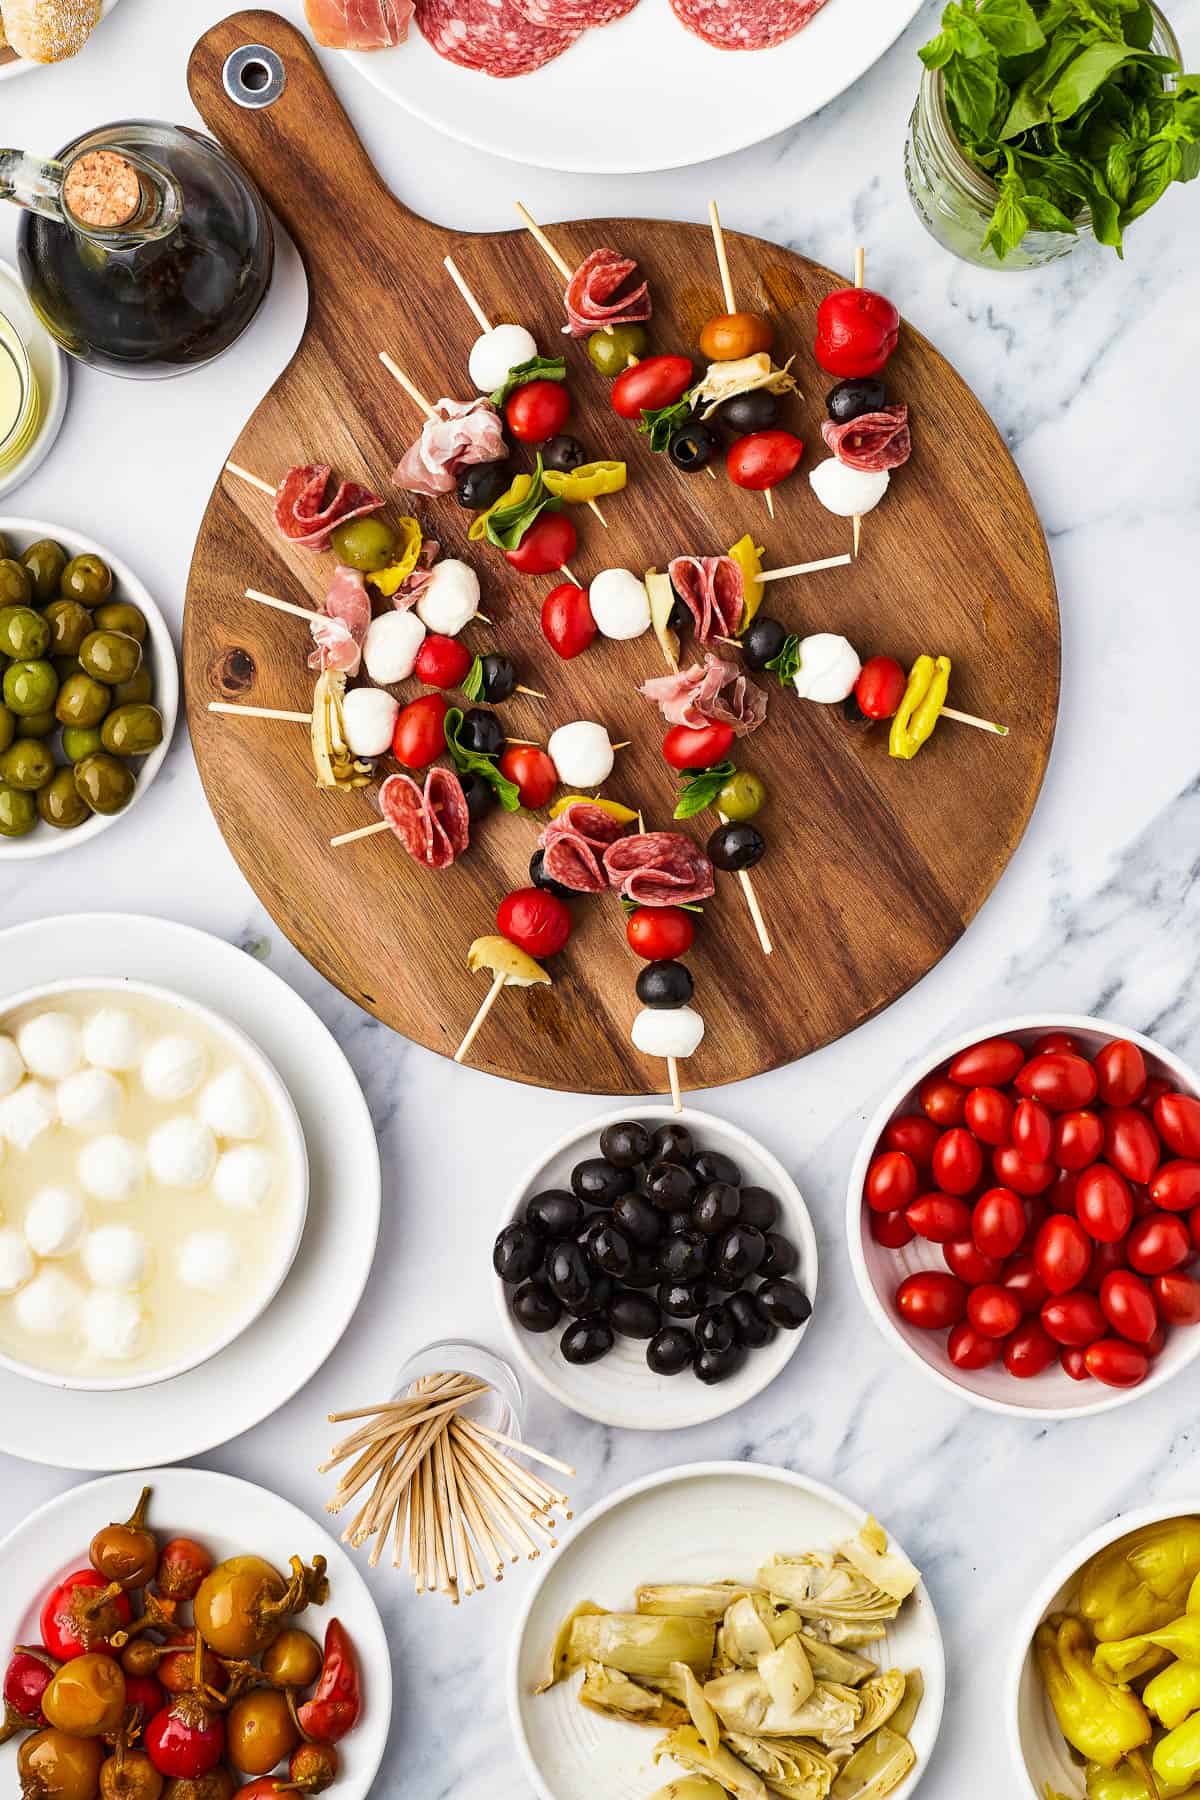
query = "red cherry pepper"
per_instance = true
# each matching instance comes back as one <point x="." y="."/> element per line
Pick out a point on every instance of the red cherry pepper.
<point x="550" y="540"/>
<point x="857" y="330"/>
<point x="184" y="1741"/>
<point x="81" y="1613"/>
<point x="337" y="1702"/>
<point x="28" y="1675"/>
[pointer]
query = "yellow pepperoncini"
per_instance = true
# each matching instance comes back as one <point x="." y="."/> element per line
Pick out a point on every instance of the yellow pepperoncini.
<point x="1176" y="1758"/>
<point x="748" y="556"/>
<point x="521" y="485"/>
<point x="1142" y="1581"/>
<point x="920" y="709"/>
<point x="1174" y="1693"/>
<point x="588" y="482"/>
<point x="408" y="543"/>
<point x="1103" y="1723"/>
<point x="625" y="815"/>
<point x="1125" y="1783"/>
<point x="1127" y="1659"/>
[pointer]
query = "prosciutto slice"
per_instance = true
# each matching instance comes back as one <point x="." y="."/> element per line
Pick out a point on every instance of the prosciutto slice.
<point x="432" y="822"/>
<point x="339" y="629"/>
<point x="593" y="297"/>
<point x="873" y="441"/>
<point x="460" y="433"/>
<point x="575" y="843"/>
<point x="717" y="693"/>
<point x="359" y="24"/>
<point x="712" y="589"/>
<point x="414" y="585"/>
<point x="304" y="516"/>
<point x="659" y="868"/>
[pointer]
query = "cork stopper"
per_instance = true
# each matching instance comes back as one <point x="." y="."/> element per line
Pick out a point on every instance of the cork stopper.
<point x="102" y="190"/>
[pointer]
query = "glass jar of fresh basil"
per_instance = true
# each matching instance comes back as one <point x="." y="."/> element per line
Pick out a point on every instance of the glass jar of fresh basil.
<point x="955" y="201"/>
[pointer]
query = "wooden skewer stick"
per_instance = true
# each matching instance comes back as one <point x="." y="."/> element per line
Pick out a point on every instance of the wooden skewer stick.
<point x="256" y="481"/>
<point x="473" y="1029"/>
<point x="714" y="219"/>
<point x="950" y="712"/>
<point x="760" y="924"/>
<point x="414" y="393"/>
<point x="284" y="606"/>
<point x="673" y="1078"/>
<point x="534" y="693"/>
<point x="860" y="275"/>
<point x="770" y="500"/>
<point x="352" y="837"/>
<point x="260" y="712"/>
<point x="806" y="568"/>
<point x="543" y="242"/>
<point x="573" y="579"/>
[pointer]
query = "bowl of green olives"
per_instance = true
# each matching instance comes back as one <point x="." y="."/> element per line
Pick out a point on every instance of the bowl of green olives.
<point x="89" y="688"/>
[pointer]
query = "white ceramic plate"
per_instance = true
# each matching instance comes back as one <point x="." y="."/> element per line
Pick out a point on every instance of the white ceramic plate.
<point x="44" y="840"/>
<point x="9" y="70"/>
<point x="620" y="1389"/>
<point x="49" y="364"/>
<point x="230" y="1518"/>
<point x="284" y="1348"/>
<point x="713" y="1520"/>
<point x="878" y="1272"/>
<point x="602" y="108"/>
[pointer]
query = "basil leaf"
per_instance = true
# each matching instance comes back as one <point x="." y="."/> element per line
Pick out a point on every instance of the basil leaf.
<point x="973" y="93"/>
<point x="538" y="368"/>
<point x="786" y="666"/>
<point x="692" y="906"/>
<point x="472" y="687"/>
<point x="507" y="525"/>
<point x="1011" y="27"/>
<point x="661" y="425"/>
<point x="473" y="762"/>
<point x="699" y="789"/>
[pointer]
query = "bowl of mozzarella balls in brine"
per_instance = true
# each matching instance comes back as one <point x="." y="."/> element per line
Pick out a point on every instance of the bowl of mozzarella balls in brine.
<point x="153" y="1184"/>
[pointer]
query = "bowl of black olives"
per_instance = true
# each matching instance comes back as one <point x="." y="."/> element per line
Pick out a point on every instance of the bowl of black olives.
<point x="89" y="689"/>
<point x="655" y="1269"/>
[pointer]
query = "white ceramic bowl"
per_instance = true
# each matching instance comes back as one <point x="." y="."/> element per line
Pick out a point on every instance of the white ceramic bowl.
<point x="1038" y="1748"/>
<point x="1053" y="1395"/>
<point x="44" y="840"/>
<point x="294" y="1185"/>
<point x="620" y="1389"/>
<point x="690" y="1524"/>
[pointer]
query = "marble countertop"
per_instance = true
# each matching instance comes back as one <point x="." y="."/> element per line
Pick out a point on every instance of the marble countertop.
<point x="1091" y="370"/>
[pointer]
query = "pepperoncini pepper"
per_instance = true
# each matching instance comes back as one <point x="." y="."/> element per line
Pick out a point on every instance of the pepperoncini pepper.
<point x="1174" y="1693"/>
<point x="748" y="556"/>
<point x="1176" y="1758"/>
<point x="1142" y="1581"/>
<point x="516" y="491"/>
<point x="921" y="707"/>
<point x="1125" y="1783"/>
<point x="588" y="482"/>
<point x="1128" y="1658"/>
<point x="1103" y="1723"/>
<point x="408" y="552"/>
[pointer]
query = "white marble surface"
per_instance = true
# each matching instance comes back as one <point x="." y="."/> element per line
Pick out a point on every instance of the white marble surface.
<point x="1091" y="369"/>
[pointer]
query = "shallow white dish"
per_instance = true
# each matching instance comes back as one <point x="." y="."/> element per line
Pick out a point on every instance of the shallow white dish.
<point x="294" y="1184"/>
<point x="44" y="840"/>
<point x="49" y="363"/>
<point x="20" y="66"/>
<point x="620" y="1389"/>
<point x="230" y="1518"/>
<point x="598" y="108"/>
<point x="285" y="1347"/>
<point x="689" y="1524"/>
<point x="878" y="1272"/>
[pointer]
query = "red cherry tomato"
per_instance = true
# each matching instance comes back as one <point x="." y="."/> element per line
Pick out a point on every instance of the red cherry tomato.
<point x="891" y="1182"/>
<point x="1075" y="1319"/>
<point x="989" y="1113"/>
<point x="1030" y="1350"/>
<point x="930" y="1300"/>
<point x="549" y="543"/>
<point x="1062" y="1253"/>
<point x="567" y="622"/>
<point x="998" y="1223"/>
<point x="73" y="1616"/>
<point x="917" y="1136"/>
<point x="1036" y="1214"/>
<point x="1176" y="1186"/>
<point x="857" y="330"/>
<point x="970" y="1349"/>
<point x="656" y="382"/>
<point x="183" y="1749"/>
<point x="660" y="933"/>
<point x="1178" y="1119"/>
<point x="992" y="1063"/>
<point x="1022" y="1279"/>
<point x="763" y="459"/>
<point x="957" y="1162"/>
<point x="1103" y="1203"/>
<point x="1153" y="1092"/>
<point x="1129" y="1307"/>
<point x="1060" y="1195"/>
<point x="1158" y="1243"/>
<point x="537" y="410"/>
<point x="892" y="1230"/>
<point x="1054" y="1040"/>
<point x="533" y="771"/>
<point x="1074" y="1363"/>
<point x="1117" y="1363"/>
<point x="1032" y="1131"/>
<point x="1060" y="1079"/>
<point x="536" y="921"/>
<point x="943" y="1101"/>
<point x="880" y="687"/>
<point x="965" y="1259"/>
<point x="697" y="747"/>
<point x="1105" y="1258"/>
<point x="1131" y="1143"/>
<point x="994" y="1311"/>
<point x="1023" y="1177"/>
<point x="1121" y="1072"/>
<point x="1177" y="1298"/>
<point x="1078" y="1139"/>
<point x="420" y="731"/>
<point x="441" y="661"/>
<point x="938" y="1218"/>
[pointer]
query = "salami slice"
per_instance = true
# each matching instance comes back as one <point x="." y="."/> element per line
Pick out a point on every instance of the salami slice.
<point x="301" y="514"/>
<point x="403" y="806"/>
<point x="594" y="299"/>
<point x="659" y="868"/>
<point x="712" y="589"/>
<point x="574" y="846"/>
<point x="490" y="36"/>
<point x="576" y="15"/>
<point x="433" y="824"/>
<point x="873" y="441"/>
<point x="745" y="24"/>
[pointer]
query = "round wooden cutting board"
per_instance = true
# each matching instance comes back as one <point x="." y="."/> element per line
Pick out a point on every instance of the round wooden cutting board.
<point x="874" y="866"/>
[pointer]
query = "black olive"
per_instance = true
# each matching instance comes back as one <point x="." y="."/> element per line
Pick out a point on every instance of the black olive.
<point x="711" y="1165"/>
<point x="569" y="1274"/>
<point x="612" y="1251"/>
<point x="762" y="641"/>
<point x="670" y="1143"/>
<point x="644" y="1271"/>
<point x="781" y="1258"/>
<point x="759" y="1208"/>
<point x="596" y="1298"/>
<point x="625" y="1144"/>
<point x="739" y="1252"/>
<point x="755" y="411"/>
<point x="681" y="1299"/>
<point x="715" y="1208"/>
<point x="634" y="1315"/>
<point x="517" y="1254"/>
<point x="853" y="713"/>
<point x="736" y="847"/>
<point x="679" y="619"/>
<point x="479" y="795"/>
<point x="535" y="1308"/>
<point x="587" y="1237"/>
<point x="481" y="484"/>
<point x="678" y="1222"/>
<point x="499" y="675"/>
<point x="563" y="453"/>
<point x="683" y="1258"/>
<point x="717" y="1365"/>
<point x="586" y="1341"/>
<point x="672" y="1351"/>
<point x="714" y="1329"/>
<point x="750" y="1323"/>
<point x="663" y="984"/>
<point x="538" y="876"/>
<point x="599" y="1182"/>
<point x="641" y="1222"/>
<point x="693" y="447"/>
<point x="670" y="1185"/>
<point x="785" y="1304"/>
<point x="555" y="1213"/>
<point x="851" y="399"/>
<point x="481" y="731"/>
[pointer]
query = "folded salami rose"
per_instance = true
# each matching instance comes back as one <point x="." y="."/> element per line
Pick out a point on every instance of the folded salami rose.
<point x="659" y="868"/>
<point x="575" y="844"/>
<point x="712" y="589"/>
<point x="301" y="513"/>
<point x="432" y="823"/>
<point x="873" y="441"/>
<point x="593" y="298"/>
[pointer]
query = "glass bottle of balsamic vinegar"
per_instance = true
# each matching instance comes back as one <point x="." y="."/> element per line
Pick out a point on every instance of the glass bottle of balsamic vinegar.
<point x="145" y="250"/>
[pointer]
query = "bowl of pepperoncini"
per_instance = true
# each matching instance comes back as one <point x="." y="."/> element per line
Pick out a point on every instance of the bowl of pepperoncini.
<point x="1104" y="1691"/>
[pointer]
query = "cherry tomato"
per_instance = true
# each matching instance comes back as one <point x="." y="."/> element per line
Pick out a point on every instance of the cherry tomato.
<point x="536" y="921"/>
<point x="1074" y="1363"/>
<point x="1155" y="1346"/>
<point x="649" y="385"/>
<point x="1153" y="1092"/>
<point x="1121" y="1072"/>
<point x="989" y="1113"/>
<point x="1054" y="1040"/>
<point x="550" y="541"/>
<point x="730" y="336"/>
<point x="957" y="1162"/>
<point x="567" y="622"/>
<point x="763" y="459"/>
<point x="891" y="1182"/>
<point x="660" y="933"/>
<point x="1103" y="1203"/>
<point x="916" y="1135"/>
<point x="1177" y="1298"/>
<point x="930" y="1300"/>
<point x="1036" y="1214"/>
<point x="1176" y="1186"/>
<point x="1117" y="1363"/>
<point x="943" y="1101"/>
<point x="994" y="1311"/>
<point x="1075" y="1319"/>
<point x="1030" y="1350"/>
<point x="892" y="1230"/>
<point x="998" y="1223"/>
<point x="442" y="662"/>
<point x="1023" y="1177"/>
<point x="965" y="1259"/>
<point x="533" y="771"/>
<point x="1078" y="1139"/>
<point x="1129" y="1307"/>
<point x="857" y="330"/>
<point x="697" y="747"/>
<point x="80" y="1614"/>
<point x="420" y="733"/>
<point x="992" y="1063"/>
<point x="1060" y="1079"/>
<point x="1105" y="1258"/>
<point x="1158" y="1243"/>
<point x="1060" y="1195"/>
<point x="1022" y="1279"/>
<point x="1178" y="1119"/>
<point x="183" y="1749"/>
<point x="1062" y="1253"/>
<point x="880" y="687"/>
<point x="938" y="1218"/>
<point x="537" y="410"/>
<point x="1131" y="1143"/>
<point x="1032" y="1131"/>
<point x="970" y="1349"/>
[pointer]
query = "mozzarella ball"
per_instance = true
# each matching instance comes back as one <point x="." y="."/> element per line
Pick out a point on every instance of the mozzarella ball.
<point x="231" y="1105"/>
<point x="620" y="604"/>
<point x="112" y="1039"/>
<point x="390" y="646"/>
<point x="51" y="1045"/>
<point x="113" y="1324"/>
<point x="114" y="1256"/>
<point x="451" y="599"/>
<point x="89" y="1100"/>
<point x="54" y="1221"/>
<point x="16" y="1261"/>
<point x="173" y="1067"/>
<point x="581" y="753"/>
<point x="25" y="1114"/>
<point x="110" y="1167"/>
<point x="48" y="1304"/>
<point x="829" y="668"/>
<point x="244" y="1177"/>
<point x="498" y="351"/>
<point x="182" y="1153"/>
<point x="667" y="1032"/>
<point x="207" y="1261"/>
<point x="847" y="491"/>
<point x="12" y="1069"/>
<point x="369" y="715"/>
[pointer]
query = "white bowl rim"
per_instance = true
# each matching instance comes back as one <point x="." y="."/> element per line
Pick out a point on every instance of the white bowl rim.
<point x="1110" y="1398"/>
<point x="688" y="1115"/>
<point x="44" y="840"/>
<point x="295" y="1148"/>
<point x="935" y="1677"/>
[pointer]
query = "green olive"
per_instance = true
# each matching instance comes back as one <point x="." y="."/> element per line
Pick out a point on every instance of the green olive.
<point x="69" y="624"/>
<point x="102" y="783"/>
<point x="132" y="692"/>
<point x="37" y="725"/>
<point x="24" y="634"/>
<point x="66" y="665"/>
<point x="741" y="796"/>
<point x="29" y="687"/>
<point x="132" y="730"/>
<point x="122" y="615"/>
<point x="364" y="544"/>
<point x="18" y="813"/>
<point x="60" y="804"/>
<point x="611" y="351"/>
<point x="81" y="701"/>
<point x="16" y="587"/>
<point x="110" y="656"/>
<point x="27" y="764"/>
<point x="44" y="563"/>
<point x="79" y="741"/>
<point x="8" y="726"/>
<point x="86" y="578"/>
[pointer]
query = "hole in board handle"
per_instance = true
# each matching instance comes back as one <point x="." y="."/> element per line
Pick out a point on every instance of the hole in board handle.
<point x="254" y="76"/>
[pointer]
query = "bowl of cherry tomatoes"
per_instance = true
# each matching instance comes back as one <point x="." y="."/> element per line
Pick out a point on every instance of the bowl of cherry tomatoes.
<point x="1024" y="1216"/>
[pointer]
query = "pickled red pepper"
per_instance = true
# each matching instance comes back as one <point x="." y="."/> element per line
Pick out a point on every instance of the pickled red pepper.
<point x="1103" y="1723"/>
<point x="921" y="707"/>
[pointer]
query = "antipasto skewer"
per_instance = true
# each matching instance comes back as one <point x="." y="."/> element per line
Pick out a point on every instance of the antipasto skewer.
<point x="731" y="311"/>
<point x="857" y="331"/>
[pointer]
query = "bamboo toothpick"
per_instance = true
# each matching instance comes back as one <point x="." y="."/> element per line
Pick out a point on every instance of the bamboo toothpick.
<point x="260" y="712"/>
<point x="860" y="275"/>
<point x="760" y="924"/>
<point x="805" y="568"/>
<point x="411" y="389"/>
<point x="714" y="219"/>
<point x="458" y="278"/>
<point x="476" y="1025"/>
<point x="962" y="718"/>
<point x="673" y="1078"/>
<point x="543" y="242"/>
<point x="255" y="481"/>
<point x="352" y="837"/>
<point x="283" y="606"/>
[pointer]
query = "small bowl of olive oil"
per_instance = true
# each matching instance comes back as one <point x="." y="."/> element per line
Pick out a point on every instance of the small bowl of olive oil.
<point x="33" y="385"/>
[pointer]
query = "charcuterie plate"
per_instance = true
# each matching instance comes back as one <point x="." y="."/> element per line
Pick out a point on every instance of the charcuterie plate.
<point x="874" y="865"/>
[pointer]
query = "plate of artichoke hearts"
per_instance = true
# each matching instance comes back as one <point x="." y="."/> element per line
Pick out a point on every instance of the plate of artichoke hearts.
<point x="723" y="1630"/>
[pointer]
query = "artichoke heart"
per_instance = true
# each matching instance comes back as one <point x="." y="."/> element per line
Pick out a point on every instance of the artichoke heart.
<point x="787" y="1675"/>
<point x="829" y="1663"/>
<point x="608" y="1691"/>
<point x="639" y="1644"/>
<point x="794" y="1769"/>
<point x="662" y="602"/>
<point x="743" y="376"/>
<point x="503" y="958"/>
<point x="335" y="764"/>
<point x="687" y="1747"/>
<point x="701" y="1713"/>
<point x="833" y="1593"/>
<point x="752" y="1628"/>
<point x="881" y="1697"/>
<point x="744" y="1702"/>
<point x="707" y="1600"/>
<point x="876" y="1769"/>
<point x="690" y="1787"/>
<point x="887" y="1569"/>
